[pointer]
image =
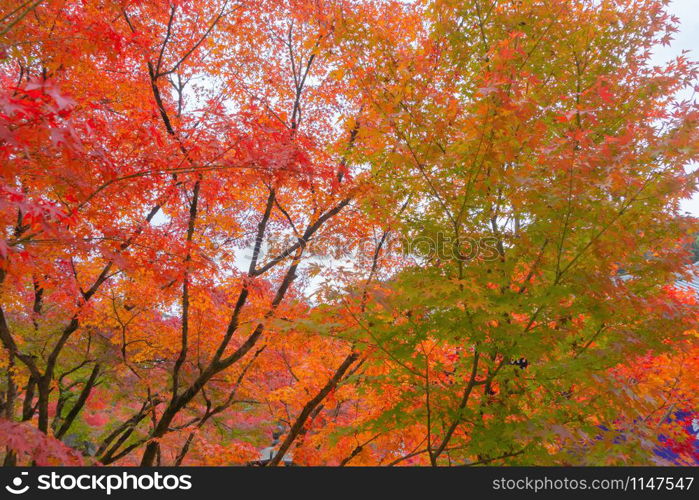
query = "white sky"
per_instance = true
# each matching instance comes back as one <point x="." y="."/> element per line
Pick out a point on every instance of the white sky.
<point x="687" y="38"/>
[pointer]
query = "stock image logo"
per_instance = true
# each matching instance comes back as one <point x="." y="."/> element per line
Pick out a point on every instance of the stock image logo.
<point x="18" y="487"/>
<point x="101" y="483"/>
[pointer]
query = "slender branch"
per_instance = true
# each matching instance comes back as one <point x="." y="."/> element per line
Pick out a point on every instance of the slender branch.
<point x="29" y="9"/>
<point x="464" y="400"/>
<point x="84" y="394"/>
<point x="185" y="291"/>
<point x="310" y="406"/>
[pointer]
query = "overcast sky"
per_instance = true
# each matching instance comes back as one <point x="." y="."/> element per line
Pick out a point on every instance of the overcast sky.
<point x="687" y="38"/>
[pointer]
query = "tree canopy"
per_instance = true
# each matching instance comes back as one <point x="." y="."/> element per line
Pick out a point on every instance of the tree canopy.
<point x="385" y="232"/>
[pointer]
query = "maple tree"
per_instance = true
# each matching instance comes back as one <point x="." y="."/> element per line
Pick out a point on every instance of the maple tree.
<point x="430" y="232"/>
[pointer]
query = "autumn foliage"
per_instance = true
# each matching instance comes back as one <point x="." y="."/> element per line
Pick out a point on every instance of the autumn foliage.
<point x="385" y="233"/>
